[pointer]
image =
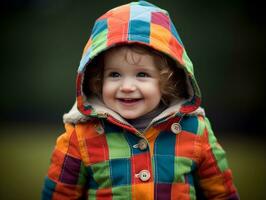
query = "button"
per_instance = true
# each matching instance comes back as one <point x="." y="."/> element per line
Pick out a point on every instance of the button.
<point x="142" y="144"/>
<point x="144" y="175"/>
<point x="176" y="128"/>
<point x="99" y="129"/>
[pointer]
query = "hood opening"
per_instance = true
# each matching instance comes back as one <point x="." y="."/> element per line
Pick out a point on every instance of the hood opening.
<point x="174" y="82"/>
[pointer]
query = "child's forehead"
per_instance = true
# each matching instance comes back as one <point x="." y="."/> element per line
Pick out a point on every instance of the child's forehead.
<point x="126" y="56"/>
<point x="128" y="50"/>
<point x="130" y="54"/>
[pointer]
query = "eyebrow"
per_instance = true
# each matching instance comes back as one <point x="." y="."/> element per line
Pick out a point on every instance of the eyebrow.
<point x="146" y="69"/>
<point x="137" y="67"/>
<point x="111" y="69"/>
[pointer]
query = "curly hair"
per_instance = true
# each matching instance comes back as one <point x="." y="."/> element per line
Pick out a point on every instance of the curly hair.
<point x="172" y="80"/>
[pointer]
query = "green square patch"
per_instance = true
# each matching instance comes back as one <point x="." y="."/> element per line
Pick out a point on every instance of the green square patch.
<point x="182" y="167"/>
<point x="118" y="146"/>
<point x="101" y="174"/>
<point x="122" y="192"/>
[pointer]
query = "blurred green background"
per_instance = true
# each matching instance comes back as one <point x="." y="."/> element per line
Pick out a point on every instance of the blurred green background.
<point x="41" y="45"/>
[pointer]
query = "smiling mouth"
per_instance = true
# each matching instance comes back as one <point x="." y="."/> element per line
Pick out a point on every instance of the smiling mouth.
<point x="129" y="100"/>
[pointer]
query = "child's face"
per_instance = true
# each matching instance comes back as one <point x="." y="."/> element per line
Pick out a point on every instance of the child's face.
<point x="130" y="83"/>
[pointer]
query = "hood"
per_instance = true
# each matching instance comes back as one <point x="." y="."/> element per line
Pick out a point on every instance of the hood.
<point x="143" y="23"/>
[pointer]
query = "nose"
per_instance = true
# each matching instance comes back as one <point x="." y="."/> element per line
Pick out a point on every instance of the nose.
<point x="128" y="85"/>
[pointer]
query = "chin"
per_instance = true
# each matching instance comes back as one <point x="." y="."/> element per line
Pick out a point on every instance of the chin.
<point x="129" y="116"/>
<point x="126" y="117"/>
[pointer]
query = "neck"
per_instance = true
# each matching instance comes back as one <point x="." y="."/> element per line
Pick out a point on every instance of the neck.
<point x="142" y="122"/>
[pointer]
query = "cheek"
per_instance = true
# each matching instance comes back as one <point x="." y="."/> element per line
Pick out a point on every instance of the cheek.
<point x="153" y="89"/>
<point x="105" y="90"/>
<point x="108" y="90"/>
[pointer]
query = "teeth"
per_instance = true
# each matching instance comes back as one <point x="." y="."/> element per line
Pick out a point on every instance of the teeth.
<point x="129" y="99"/>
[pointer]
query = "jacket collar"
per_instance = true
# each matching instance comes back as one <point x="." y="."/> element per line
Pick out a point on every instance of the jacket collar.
<point x="74" y="116"/>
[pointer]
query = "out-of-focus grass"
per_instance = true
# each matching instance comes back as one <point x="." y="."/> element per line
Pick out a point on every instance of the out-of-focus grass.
<point x="247" y="160"/>
<point x="25" y="153"/>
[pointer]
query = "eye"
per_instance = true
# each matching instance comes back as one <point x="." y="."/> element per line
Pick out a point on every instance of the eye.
<point x="143" y="74"/>
<point x="114" y="74"/>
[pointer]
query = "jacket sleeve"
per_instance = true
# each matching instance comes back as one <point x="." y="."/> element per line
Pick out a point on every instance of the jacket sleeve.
<point x="66" y="178"/>
<point x="215" y="177"/>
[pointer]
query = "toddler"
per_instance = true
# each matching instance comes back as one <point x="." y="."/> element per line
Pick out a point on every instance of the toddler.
<point x="137" y="130"/>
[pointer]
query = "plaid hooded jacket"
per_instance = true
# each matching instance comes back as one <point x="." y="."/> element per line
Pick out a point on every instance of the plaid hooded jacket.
<point x="101" y="156"/>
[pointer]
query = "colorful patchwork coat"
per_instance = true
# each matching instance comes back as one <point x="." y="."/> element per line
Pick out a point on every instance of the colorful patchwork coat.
<point x="102" y="156"/>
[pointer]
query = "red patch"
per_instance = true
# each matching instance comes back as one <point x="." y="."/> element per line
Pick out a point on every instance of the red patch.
<point x="97" y="149"/>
